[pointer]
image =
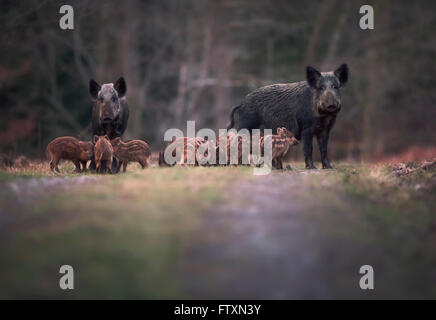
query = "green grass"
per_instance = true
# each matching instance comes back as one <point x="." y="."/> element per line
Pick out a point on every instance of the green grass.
<point x="126" y="235"/>
<point x="123" y="234"/>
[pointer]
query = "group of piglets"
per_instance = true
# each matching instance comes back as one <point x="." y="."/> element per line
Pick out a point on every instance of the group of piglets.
<point x="103" y="150"/>
<point x="280" y="144"/>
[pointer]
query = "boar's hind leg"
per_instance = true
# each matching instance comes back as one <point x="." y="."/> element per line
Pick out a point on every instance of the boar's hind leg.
<point x="52" y="165"/>
<point x="125" y="162"/>
<point x="308" y="148"/>
<point x="110" y="167"/>
<point x="55" y="165"/>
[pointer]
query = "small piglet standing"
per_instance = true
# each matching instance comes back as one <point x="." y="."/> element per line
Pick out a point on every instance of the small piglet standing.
<point x="280" y="144"/>
<point x="103" y="152"/>
<point x="69" y="148"/>
<point x="133" y="150"/>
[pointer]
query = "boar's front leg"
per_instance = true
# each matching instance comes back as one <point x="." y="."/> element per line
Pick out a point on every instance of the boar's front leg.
<point x="323" y="140"/>
<point x="92" y="165"/>
<point x="307" y="136"/>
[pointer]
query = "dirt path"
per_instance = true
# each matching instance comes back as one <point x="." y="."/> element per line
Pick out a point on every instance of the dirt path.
<point x="260" y="243"/>
<point x="293" y="235"/>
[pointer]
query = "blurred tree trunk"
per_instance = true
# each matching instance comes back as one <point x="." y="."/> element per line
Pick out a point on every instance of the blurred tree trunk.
<point x="372" y="109"/>
<point x="321" y="17"/>
<point x="103" y="40"/>
<point x="222" y="90"/>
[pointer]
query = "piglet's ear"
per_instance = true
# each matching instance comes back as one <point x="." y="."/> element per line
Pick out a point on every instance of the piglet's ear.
<point x="94" y="139"/>
<point x="312" y="76"/>
<point x="94" y="88"/>
<point x="106" y="137"/>
<point x="342" y="74"/>
<point x="121" y="87"/>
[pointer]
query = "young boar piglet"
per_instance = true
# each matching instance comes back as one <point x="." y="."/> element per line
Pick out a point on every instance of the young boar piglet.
<point x="69" y="148"/>
<point x="280" y="144"/>
<point x="189" y="146"/>
<point x="103" y="152"/>
<point x="133" y="150"/>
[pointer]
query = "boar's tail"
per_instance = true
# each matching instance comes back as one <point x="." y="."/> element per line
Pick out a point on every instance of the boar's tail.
<point x="47" y="153"/>
<point x="232" y="117"/>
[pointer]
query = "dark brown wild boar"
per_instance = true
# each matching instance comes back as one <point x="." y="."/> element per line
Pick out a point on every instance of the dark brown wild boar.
<point x="307" y="108"/>
<point x="69" y="148"/>
<point x="133" y="150"/>
<point x="103" y="153"/>
<point x="280" y="144"/>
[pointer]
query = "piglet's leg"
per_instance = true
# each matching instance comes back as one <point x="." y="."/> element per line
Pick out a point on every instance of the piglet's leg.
<point x="77" y="164"/>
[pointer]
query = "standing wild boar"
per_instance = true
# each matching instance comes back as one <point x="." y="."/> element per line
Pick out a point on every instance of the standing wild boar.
<point x="307" y="108"/>
<point x="133" y="150"/>
<point x="103" y="152"/>
<point x="110" y="111"/>
<point x="69" y="148"/>
<point x="280" y="144"/>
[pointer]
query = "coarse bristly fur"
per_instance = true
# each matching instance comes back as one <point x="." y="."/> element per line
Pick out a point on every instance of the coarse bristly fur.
<point x="110" y="110"/>
<point x="103" y="152"/>
<point x="307" y="108"/>
<point x="69" y="148"/>
<point x="133" y="150"/>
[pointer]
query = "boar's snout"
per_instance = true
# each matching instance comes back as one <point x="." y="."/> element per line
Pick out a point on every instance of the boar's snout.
<point x="108" y="114"/>
<point x="330" y="103"/>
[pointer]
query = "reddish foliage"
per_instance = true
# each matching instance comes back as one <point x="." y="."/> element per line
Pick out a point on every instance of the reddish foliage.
<point x="414" y="153"/>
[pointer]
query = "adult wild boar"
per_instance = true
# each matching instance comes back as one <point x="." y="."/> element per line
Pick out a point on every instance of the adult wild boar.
<point x="307" y="108"/>
<point x="110" y="111"/>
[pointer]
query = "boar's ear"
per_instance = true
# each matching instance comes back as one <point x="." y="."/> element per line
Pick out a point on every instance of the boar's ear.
<point x="312" y="76"/>
<point x="342" y="74"/>
<point x="94" y="139"/>
<point x="121" y="87"/>
<point x="94" y="88"/>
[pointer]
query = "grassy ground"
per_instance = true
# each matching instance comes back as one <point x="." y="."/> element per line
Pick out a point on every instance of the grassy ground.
<point x="218" y="232"/>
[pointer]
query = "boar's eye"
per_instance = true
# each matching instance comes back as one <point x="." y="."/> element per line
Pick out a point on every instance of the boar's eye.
<point x="335" y="86"/>
<point x="101" y="99"/>
<point x="114" y="98"/>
